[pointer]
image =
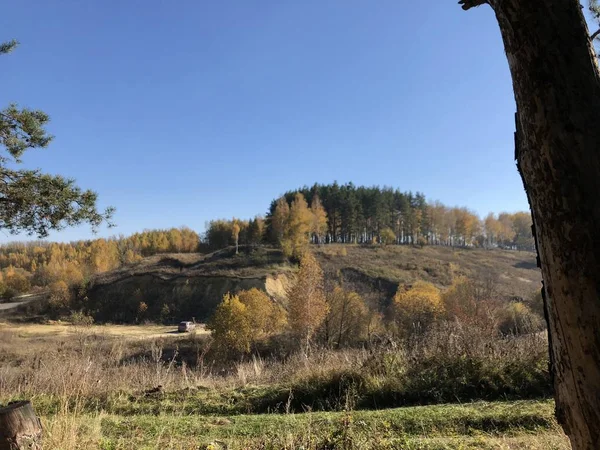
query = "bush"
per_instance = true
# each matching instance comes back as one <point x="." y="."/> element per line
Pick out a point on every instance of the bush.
<point x="264" y="316"/>
<point x="79" y="318"/>
<point x="516" y="318"/>
<point x="230" y="325"/>
<point x="387" y="236"/>
<point x="59" y="296"/>
<point x="416" y="307"/>
<point x="16" y="283"/>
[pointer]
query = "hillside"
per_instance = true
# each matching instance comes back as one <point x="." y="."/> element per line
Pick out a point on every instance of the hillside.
<point x="179" y="286"/>
<point x="514" y="273"/>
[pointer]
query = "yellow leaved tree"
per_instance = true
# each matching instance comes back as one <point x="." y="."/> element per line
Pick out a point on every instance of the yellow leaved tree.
<point x="235" y="234"/>
<point x="230" y="325"/>
<point x="306" y="300"/>
<point x="347" y="320"/>
<point x="387" y="236"/>
<point x="416" y="307"/>
<point x="297" y="236"/>
<point x="319" y="219"/>
<point x="265" y="317"/>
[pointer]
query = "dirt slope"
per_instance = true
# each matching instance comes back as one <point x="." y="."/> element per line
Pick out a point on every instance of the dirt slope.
<point x="177" y="287"/>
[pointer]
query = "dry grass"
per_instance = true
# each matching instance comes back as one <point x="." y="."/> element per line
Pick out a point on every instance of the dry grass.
<point x="65" y="329"/>
<point x="515" y="271"/>
<point x="95" y="362"/>
<point x="94" y="389"/>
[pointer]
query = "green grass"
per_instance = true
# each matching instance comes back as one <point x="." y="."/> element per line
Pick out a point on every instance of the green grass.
<point x="523" y="424"/>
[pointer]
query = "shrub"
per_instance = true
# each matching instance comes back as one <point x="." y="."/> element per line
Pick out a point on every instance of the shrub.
<point x="471" y="302"/>
<point x="79" y="318"/>
<point x="516" y="318"/>
<point x="347" y="320"/>
<point x="16" y="283"/>
<point x="416" y="307"/>
<point x="230" y="325"/>
<point x="59" y="296"/>
<point x="387" y="236"/>
<point x="264" y="316"/>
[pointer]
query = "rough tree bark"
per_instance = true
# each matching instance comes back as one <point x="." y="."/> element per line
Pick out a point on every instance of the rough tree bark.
<point x="557" y="91"/>
<point x="20" y="429"/>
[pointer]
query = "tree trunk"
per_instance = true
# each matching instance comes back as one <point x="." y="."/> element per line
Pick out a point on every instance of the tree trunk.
<point x="557" y="90"/>
<point x="20" y="429"/>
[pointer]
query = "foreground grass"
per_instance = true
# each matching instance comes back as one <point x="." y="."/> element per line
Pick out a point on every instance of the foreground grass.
<point x="481" y="425"/>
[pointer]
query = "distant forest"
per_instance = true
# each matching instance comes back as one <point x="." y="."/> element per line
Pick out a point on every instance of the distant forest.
<point x="334" y="213"/>
<point x="321" y="214"/>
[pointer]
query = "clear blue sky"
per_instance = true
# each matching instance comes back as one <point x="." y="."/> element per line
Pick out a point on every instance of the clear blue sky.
<point x="180" y="112"/>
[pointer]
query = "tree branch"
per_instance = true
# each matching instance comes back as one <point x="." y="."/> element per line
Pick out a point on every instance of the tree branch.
<point x="595" y="35"/>
<point x="468" y="4"/>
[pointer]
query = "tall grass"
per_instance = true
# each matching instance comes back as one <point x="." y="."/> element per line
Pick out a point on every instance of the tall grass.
<point x="75" y="382"/>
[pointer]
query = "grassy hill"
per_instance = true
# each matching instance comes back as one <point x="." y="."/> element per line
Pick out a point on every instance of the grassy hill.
<point x="191" y="285"/>
<point x="514" y="272"/>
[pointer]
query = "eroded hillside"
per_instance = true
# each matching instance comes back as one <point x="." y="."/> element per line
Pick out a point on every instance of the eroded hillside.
<point x="175" y="287"/>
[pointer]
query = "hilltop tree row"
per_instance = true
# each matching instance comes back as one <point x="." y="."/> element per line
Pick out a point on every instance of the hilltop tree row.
<point x="345" y="213"/>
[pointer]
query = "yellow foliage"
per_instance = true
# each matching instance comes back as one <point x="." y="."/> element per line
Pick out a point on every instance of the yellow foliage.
<point x="347" y="319"/>
<point x="230" y="325"/>
<point x="307" y="305"/>
<point x="299" y="225"/>
<point x="387" y="236"/>
<point x="417" y="306"/>
<point x="459" y="300"/>
<point x="59" y="295"/>
<point x="15" y="281"/>
<point x="517" y="318"/>
<point x="264" y="316"/>
<point x="319" y="219"/>
<point x="280" y="218"/>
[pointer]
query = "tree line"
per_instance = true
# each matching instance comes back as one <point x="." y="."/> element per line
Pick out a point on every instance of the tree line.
<point x="28" y="264"/>
<point x="333" y="213"/>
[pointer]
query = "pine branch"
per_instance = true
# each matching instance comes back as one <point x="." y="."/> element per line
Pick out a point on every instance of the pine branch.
<point x="468" y="4"/>
<point x="595" y="35"/>
<point x="7" y="47"/>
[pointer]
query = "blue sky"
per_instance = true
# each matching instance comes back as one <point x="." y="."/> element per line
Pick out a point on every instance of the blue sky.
<point x="179" y="112"/>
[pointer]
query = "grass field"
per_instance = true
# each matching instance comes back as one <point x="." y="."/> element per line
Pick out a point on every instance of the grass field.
<point x="516" y="425"/>
<point x="146" y="387"/>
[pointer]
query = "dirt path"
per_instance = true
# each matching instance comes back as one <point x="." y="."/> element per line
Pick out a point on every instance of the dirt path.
<point x="22" y="300"/>
<point x="124" y="331"/>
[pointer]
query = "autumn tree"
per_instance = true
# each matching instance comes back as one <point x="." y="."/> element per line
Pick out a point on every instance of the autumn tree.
<point x="556" y="84"/>
<point x="306" y="300"/>
<point x="59" y="296"/>
<point x="264" y="316"/>
<point x="318" y="225"/>
<point x="230" y="325"/>
<point x="492" y="229"/>
<point x="256" y="230"/>
<point x="472" y="301"/>
<point x="387" y="236"/>
<point x="280" y="219"/>
<point x="31" y="201"/>
<point x="296" y="235"/>
<point x="416" y="307"/>
<point x="15" y="282"/>
<point x="235" y="233"/>
<point x="347" y="320"/>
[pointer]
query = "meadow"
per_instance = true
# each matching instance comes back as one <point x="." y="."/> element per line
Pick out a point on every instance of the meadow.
<point x="146" y="387"/>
